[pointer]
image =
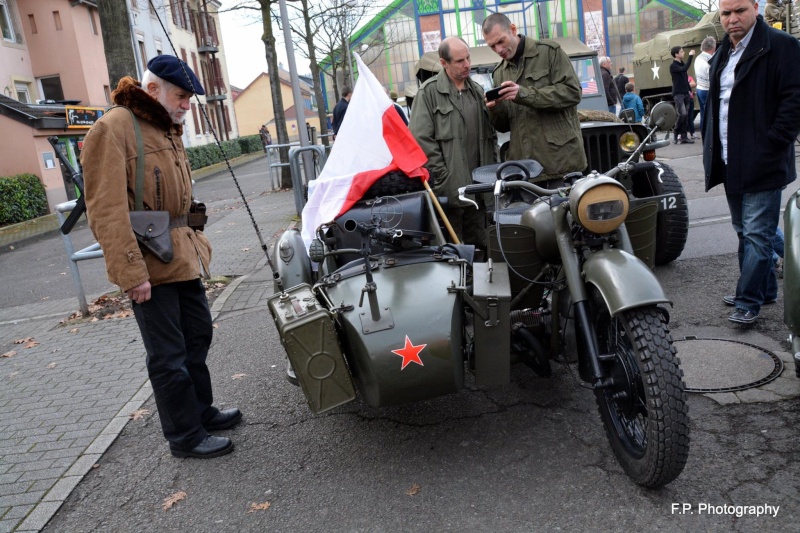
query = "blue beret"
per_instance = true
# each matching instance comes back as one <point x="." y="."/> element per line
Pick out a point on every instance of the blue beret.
<point x="175" y="71"/>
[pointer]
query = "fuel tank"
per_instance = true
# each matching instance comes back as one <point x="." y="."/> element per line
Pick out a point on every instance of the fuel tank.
<point x="413" y="350"/>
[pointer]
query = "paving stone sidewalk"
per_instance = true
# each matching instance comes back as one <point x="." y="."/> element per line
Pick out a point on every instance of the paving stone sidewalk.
<point x="67" y="393"/>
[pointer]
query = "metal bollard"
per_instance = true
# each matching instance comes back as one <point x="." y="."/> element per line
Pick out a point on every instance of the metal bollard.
<point x="90" y="252"/>
<point x="298" y="174"/>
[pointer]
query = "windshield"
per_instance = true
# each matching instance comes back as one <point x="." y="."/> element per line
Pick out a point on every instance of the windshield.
<point x="584" y="68"/>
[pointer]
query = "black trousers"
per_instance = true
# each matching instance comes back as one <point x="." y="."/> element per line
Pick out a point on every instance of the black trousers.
<point x="176" y="329"/>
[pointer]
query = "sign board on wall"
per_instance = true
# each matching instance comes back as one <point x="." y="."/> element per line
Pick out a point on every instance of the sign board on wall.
<point x="83" y="117"/>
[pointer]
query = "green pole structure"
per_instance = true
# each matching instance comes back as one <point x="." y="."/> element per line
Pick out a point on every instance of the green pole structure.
<point x="458" y="20"/>
<point x="638" y="24"/>
<point x="564" y="25"/>
<point x="386" y="54"/>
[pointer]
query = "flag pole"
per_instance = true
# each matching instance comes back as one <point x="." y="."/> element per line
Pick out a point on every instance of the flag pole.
<point x="441" y="213"/>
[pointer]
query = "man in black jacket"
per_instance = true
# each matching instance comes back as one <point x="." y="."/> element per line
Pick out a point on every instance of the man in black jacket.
<point x="751" y="120"/>
<point x="340" y="109"/>
<point x="681" y="92"/>
<point x="612" y="96"/>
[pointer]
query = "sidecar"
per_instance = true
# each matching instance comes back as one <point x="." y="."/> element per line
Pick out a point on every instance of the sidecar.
<point x="791" y="274"/>
<point x="393" y="330"/>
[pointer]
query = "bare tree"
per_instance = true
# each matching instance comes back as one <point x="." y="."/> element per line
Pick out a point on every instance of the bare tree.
<point x="268" y="37"/>
<point x="116" y="28"/>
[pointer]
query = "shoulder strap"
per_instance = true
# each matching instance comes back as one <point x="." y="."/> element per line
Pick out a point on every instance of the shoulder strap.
<point x="139" y="201"/>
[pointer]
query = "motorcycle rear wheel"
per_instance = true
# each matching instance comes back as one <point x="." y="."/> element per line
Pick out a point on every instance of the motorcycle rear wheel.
<point x="644" y="412"/>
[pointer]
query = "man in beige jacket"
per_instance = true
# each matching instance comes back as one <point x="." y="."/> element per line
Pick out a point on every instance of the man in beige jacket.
<point x="168" y="299"/>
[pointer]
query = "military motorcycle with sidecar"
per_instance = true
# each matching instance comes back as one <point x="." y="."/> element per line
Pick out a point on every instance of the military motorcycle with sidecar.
<point x="382" y="304"/>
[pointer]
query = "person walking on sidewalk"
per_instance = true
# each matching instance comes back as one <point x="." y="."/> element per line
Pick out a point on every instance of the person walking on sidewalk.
<point x="751" y="122"/>
<point x="707" y="48"/>
<point x="168" y="299"/>
<point x="681" y="92"/>
<point x="340" y="109"/>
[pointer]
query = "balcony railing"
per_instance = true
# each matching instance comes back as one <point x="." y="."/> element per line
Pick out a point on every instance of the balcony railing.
<point x="205" y="32"/>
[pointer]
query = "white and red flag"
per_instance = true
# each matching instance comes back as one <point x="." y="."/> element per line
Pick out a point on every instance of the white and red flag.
<point x="372" y="141"/>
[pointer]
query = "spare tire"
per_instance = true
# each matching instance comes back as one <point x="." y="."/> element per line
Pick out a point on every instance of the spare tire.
<point x="672" y="226"/>
<point x="392" y="184"/>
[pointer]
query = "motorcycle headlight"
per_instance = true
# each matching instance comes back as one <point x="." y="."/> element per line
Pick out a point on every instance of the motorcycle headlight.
<point x="599" y="204"/>
<point x="629" y="141"/>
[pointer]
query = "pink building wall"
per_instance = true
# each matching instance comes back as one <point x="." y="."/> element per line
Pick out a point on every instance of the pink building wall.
<point x="74" y="52"/>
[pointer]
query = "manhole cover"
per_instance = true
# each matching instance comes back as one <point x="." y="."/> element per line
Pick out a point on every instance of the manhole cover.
<point x="722" y="365"/>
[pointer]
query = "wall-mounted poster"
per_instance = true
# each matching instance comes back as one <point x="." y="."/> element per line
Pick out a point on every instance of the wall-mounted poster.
<point x="83" y="117"/>
<point x="595" y="34"/>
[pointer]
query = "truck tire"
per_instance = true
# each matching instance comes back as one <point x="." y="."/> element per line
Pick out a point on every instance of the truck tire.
<point x="672" y="226"/>
<point x="392" y="184"/>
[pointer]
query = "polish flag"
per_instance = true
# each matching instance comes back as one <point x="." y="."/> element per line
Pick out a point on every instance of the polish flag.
<point x="372" y="141"/>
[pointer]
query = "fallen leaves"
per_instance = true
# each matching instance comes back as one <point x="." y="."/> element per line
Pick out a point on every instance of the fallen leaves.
<point x="74" y="330"/>
<point x="139" y="414"/>
<point x="413" y="490"/>
<point x="52" y="365"/>
<point x="172" y="499"/>
<point x="27" y="342"/>
<point x="8" y="354"/>
<point x="245" y="249"/>
<point x="259" y="507"/>
<point x="238" y="376"/>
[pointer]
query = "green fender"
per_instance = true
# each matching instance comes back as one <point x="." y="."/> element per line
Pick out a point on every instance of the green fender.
<point x="623" y="280"/>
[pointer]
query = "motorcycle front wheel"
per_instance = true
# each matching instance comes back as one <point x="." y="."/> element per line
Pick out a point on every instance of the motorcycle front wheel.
<point x="644" y="411"/>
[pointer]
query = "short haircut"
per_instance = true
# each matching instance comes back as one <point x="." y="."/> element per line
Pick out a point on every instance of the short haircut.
<point x="496" y="19"/>
<point x="674" y="50"/>
<point x="604" y="60"/>
<point x="621" y="70"/>
<point x="629" y="87"/>
<point x="708" y="44"/>
<point x="444" y="48"/>
<point x="346" y="91"/>
<point x="148" y="77"/>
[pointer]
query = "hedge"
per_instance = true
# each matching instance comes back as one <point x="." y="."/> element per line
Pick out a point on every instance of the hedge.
<point x="22" y="198"/>
<point x="210" y="154"/>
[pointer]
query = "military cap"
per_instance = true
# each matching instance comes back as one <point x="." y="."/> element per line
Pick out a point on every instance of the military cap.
<point x="175" y="71"/>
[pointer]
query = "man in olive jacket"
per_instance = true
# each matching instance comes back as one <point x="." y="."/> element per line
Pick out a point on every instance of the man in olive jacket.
<point x="168" y="299"/>
<point x="751" y="121"/>
<point x="451" y="124"/>
<point x="539" y="100"/>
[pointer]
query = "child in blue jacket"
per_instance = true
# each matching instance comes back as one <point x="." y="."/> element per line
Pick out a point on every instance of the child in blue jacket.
<point x="632" y="101"/>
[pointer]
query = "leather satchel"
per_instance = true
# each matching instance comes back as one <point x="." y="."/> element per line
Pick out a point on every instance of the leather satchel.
<point x="152" y="231"/>
<point x="150" y="227"/>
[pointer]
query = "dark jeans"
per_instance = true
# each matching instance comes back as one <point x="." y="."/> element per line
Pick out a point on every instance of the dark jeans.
<point x="176" y="329"/>
<point x="755" y="216"/>
<point x="702" y="96"/>
<point x="690" y="116"/>
<point x="682" y="108"/>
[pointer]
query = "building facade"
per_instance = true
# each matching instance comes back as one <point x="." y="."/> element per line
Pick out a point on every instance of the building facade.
<point x="54" y="77"/>
<point x="254" y="108"/>
<point x="392" y="43"/>
<point x="51" y="57"/>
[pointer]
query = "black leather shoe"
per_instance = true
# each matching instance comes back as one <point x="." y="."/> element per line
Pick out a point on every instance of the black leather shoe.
<point x="224" y="419"/>
<point x="743" y="316"/>
<point x="730" y="299"/>
<point x="208" y="448"/>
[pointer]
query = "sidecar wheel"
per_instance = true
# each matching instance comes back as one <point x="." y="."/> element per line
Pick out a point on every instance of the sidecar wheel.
<point x="644" y="412"/>
<point x="672" y="226"/>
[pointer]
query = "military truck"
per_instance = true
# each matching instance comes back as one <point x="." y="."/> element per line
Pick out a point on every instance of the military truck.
<point x="607" y="141"/>
<point x="651" y="59"/>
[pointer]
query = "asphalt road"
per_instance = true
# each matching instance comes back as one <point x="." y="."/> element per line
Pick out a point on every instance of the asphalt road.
<point x="529" y="456"/>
